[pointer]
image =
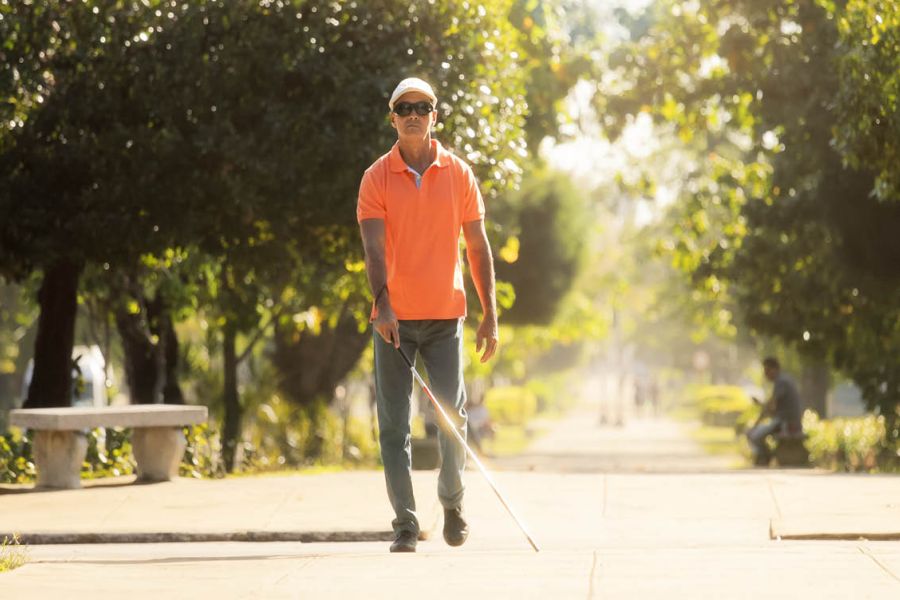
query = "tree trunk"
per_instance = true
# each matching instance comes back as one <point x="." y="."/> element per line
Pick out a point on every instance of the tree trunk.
<point x="51" y="381"/>
<point x="815" y="380"/>
<point x="231" y="432"/>
<point x="172" y="393"/>
<point x="150" y="368"/>
<point x="140" y="358"/>
<point x="310" y="366"/>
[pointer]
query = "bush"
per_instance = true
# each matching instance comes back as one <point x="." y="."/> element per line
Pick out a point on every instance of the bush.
<point x="511" y="405"/>
<point x="280" y="436"/>
<point x="721" y="405"/>
<point x="108" y="454"/>
<point x="849" y="444"/>
<point x="552" y="393"/>
<point x="284" y="435"/>
<point x="16" y="464"/>
<point x="203" y="453"/>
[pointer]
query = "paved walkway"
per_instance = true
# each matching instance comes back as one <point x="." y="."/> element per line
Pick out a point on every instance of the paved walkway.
<point x="608" y="525"/>
<point x="578" y="444"/>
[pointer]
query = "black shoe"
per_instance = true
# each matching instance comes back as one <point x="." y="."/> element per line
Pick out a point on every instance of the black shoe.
<point x="405" y="542"/>
<point x="456" y="530"/>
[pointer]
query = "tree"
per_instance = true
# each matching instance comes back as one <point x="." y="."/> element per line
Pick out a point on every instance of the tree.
<point x="551" y="225"/>
<point x="801" y="243"/>
<point x="868" y="102"/>
<point x="54" y="59"/>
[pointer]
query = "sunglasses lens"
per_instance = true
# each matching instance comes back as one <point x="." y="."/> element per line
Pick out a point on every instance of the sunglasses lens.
<point x="404" y="109"/>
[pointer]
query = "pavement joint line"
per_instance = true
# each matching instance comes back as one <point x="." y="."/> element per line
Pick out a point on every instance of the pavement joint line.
<point x="299" y="568"/>
<point x="865" y="550"/>
<point x="591" y="576"/>
<point x="774" y="497"/>
<point x="284" y="501"/>
<point x="121" y="503"/>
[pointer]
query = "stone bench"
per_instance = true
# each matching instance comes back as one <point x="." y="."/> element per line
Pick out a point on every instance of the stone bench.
<point x="60" y="445"/>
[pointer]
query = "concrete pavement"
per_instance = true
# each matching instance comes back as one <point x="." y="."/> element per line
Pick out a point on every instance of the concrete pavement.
<point x="608" y="529"/>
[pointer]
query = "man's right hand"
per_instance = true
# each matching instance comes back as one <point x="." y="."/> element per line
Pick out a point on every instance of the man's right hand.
<point x="386" y="325"/>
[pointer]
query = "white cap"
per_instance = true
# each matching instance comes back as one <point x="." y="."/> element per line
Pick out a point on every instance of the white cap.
<point x="412" y="84"/>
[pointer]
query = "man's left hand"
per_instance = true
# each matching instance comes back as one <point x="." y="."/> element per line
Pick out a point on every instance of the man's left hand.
<point x="487" y="337"/>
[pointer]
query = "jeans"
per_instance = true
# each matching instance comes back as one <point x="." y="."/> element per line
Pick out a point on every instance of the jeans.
<point x="439" y="343"/>
<point x="757" y="436"/>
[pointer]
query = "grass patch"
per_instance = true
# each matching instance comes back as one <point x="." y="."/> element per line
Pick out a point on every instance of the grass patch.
<point x="510" y="440"/>
<point x="717" y="441"/>
<point x="12" y="553"/>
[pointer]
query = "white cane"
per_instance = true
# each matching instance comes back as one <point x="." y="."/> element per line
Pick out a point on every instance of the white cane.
<point x="472" y="455"/>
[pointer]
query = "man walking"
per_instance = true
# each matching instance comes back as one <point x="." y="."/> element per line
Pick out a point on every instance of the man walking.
<point x="413" y="203"/>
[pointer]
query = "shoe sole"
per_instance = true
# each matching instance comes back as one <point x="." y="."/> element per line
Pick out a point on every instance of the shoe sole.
<point x="456" y="542"/>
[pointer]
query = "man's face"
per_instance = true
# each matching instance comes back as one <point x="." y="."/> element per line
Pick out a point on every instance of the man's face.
<point x="771" y="373"/>
<point x="413" y="126"/>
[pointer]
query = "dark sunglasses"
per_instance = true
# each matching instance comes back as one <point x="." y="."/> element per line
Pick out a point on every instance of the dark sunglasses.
<point x="404" y="109"/>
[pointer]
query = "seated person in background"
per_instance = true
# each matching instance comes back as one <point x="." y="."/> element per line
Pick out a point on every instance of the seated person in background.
<point x="783" y="407"/>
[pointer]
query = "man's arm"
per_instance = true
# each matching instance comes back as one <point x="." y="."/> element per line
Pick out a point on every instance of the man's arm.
<point x="478" y="251"/>
<point x="372" y="232"/>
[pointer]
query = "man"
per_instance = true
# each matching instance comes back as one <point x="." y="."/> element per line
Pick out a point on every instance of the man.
<point x="784" y="407"/>
<point x="413" y="203"/>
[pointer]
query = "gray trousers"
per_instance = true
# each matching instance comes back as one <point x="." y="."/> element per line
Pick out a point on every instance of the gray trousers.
<point x="439" y="343"/>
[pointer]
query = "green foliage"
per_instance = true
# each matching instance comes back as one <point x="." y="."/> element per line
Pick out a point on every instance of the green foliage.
<point x="850" y="444"/>
<point x="551" y="220"/>
<point x="556" y="39"/>
<point x="12" y="553"/>
<point x="554" y="391"/>
<point x="203" y="453"/>
<point x="720" y="405"/>
<point x="775" y="220"/>
<point x="867" y="131"/>
<point x="284" y="436"/>
<point x="511" y="405"/>
<point x="16" y="464"/>
<point x="109" y="453"/>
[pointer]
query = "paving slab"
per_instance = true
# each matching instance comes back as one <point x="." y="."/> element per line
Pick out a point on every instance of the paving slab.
<point x="835" y="506"/>
<point x="365" y="570"/>
<point x="317" y="506"/>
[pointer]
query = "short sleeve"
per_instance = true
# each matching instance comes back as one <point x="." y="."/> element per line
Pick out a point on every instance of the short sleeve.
<point x="370" y="204"/>
<point x="473" y="205"/>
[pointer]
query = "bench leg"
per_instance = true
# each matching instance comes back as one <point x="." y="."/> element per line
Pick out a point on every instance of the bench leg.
<point x="58" y="456"/>
<point x="158" y="452"/>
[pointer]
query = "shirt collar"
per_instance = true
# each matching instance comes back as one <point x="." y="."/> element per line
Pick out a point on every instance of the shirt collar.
<point x="441" y="157"/>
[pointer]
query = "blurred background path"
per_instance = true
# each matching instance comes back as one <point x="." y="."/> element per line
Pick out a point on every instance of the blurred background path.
<point x="604" y="433"/>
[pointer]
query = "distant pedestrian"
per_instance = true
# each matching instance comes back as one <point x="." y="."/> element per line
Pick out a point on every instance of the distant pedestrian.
<point x="413" y="203"/>
<point x="784" y="409"/>
<point x="481" y="427"/>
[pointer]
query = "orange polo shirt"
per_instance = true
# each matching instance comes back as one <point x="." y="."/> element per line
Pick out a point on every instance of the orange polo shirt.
<point x="422" y="228"/>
